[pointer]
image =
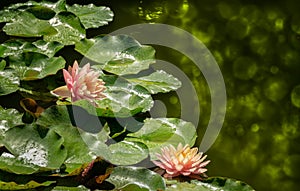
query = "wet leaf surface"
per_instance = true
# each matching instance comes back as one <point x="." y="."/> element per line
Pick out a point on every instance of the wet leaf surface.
<point x="135" y="178"/>
<point x="32" y="148"/>
<point x="92" y="16"/>
<point x="13" y="47"/>
<point x="29" y="185"/>
<point x="32" y="66"/>
<point x="123" y="99"/>
<point x="159" y="132"/>
<point x="117" y="54"/>
<point x="211" y="184"/>
<point x="128" y="152"/>
<point x="68" y="27"/>
<point x="157" y="82"/>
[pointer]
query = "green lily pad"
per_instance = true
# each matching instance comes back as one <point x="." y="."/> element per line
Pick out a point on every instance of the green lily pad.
<point x="2" y="64"/>
<point x="29" y="185"/>
<point x="32" y="66"/>
<point x="25" y="24"/>
<point x="9" y="83"/>
<point x="160" y="132"/>
<point x="8" y="119"/>
<point x="96" y="142"/>
<point x="42" y="9"/>
<point x="68" y="188"/>
<point x="32" y="148"/>
<point x="92" y="16"/>
<point x="211" y="184"/>
<point x="128" y="152"/>
<point x="50" y="20"/>
<point x="157" y="82"/>
<point x="58" y="119"/>
<point x="13" y="47"/>
<point x="68" y="27"/>
<point x="119" y="54"/>
<point x="135" y="178"/>
<point x="123" y="99"/>
<point x="7" y="15"/>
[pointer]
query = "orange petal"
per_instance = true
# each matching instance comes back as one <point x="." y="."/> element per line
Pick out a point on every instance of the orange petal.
<point x="62" y="91"/>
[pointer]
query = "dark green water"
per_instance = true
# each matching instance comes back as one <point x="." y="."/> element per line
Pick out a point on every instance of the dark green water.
<point x="257" y="47"/>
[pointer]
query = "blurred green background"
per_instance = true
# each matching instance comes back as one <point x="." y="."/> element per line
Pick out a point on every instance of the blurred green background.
<point x="257" y="46"/>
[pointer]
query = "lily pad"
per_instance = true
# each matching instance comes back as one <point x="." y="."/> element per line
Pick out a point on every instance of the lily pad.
<point x="32" y="66"/>
<point x="9" y="83"/>
<point x="211" y="184"/>
<point x="37" y="8"/>
<point x="13" y="47"/>
<point x="68" y="188"/>
<point x="68" y="27"/>
<point x="157" y="82"/>
<point x="123" y="99"/>
<point x="8" y="119"/>
<point x="135" y="178"/>
<point x="119" y="54"/>
<point x="25" y="24"/>
<point x="160" y="132"/>
<point x="29" y="185"/>
<point x="2" y="64"/>
<point x="58" y="119"/>
<point x="128" y="152"/>
<point x="32" y="148"/>
<point x="50" y="20"/>
<point x="96" y="142"/>
<point x="92" y="16"/>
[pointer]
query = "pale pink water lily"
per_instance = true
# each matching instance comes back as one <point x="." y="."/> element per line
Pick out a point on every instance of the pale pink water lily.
<point x="81" y="83"/>
<point x="184" y="161"/>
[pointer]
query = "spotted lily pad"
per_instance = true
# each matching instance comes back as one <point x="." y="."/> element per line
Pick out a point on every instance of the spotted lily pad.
<point x="8" y="119"/>
<point x="32" y="148"/>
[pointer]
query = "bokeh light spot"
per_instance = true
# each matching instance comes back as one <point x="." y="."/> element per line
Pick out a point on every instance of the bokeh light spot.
<point x="295" y="96"/>
<point x="244" y="68"/>
<point x="238" y="27"/>
<point x="274" y="69"/>
<point x="254" y="127"/>
<point x="275" y="89"/>
<point x="291" y="166"/>
<point x="173" y="100"/>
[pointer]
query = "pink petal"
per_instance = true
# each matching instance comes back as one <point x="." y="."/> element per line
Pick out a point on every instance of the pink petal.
<point x="74" y="69"/>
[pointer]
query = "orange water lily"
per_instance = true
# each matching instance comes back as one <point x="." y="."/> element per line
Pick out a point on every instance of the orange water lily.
<point x="184" y="161"/>
<point x="81" y="83"/>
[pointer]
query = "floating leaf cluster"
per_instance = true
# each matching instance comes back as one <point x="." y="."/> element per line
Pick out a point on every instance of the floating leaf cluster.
<point x="52" y="144"/>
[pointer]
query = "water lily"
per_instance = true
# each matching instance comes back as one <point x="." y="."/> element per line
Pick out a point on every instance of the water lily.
<point x="184" y="161"/>
<point x="81" y="83"/>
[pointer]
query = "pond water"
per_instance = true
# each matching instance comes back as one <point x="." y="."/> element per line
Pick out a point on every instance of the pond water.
<point x="256" y="44"/>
